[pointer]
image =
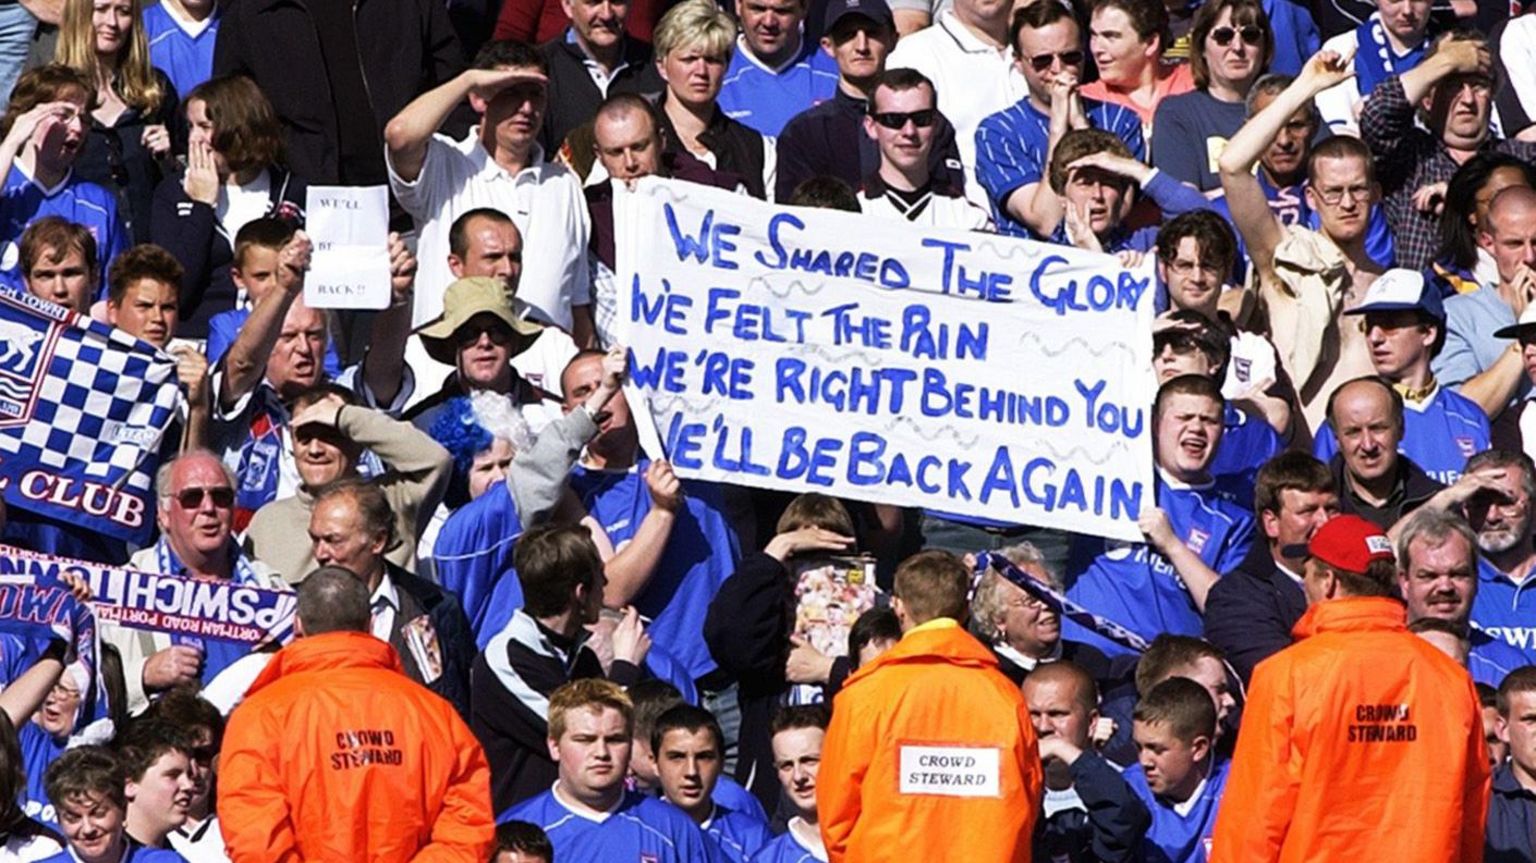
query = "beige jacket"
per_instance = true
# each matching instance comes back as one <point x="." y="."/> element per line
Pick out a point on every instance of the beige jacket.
<point x="417" y="479"/>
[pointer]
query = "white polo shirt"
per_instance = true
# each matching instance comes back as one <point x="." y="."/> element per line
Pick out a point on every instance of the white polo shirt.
<point x="974" y="80"/>
<point x="459" y="176"/>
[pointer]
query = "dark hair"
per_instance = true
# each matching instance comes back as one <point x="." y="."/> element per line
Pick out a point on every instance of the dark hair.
<point x="265" y="233"/>
<point x="552" y="560"/>
<point x="1037" y="16"/>
<point x="1187" y="385"/>
<point x="1211" y="233"/>
<point x="898" y="80"/>
<point x="85" y="771"/>
<point x="686" y="717"/>
<point x="799" y="716"/>
<point x="629" y="103"/>
<point x="825" y="193"/>
<point x="61" y="236"/>
<point x="1210" y="338"/>
<point x="246" y="130"/>
<point x="1522" y="679"/>
<point x="1292" y="470"/>
<point x="1395" y="397"/>
<point x="875" y="624"/>
<point x="1458" y="236"/>
<point x="933" y="584"/>
<point x="146" y="740"/>
<point x="1183" y="705"/>
<point x="1148" y="18"/>
<point x="46" y="84"/>
<point x="333" y="599"/>
<point x="13" y="773"/>
<point x="510" y="53"/>
<point x="1079" y="143"/>
<point x="1168" y="654"/>
<point x="1244" y="13"/>
<point x="184" y="707"/>
<point x="521" y="837"/>
<point x="652" y="697"/>
<point x="144" y="261"/>
<point x="1379" y="578"/>
<point x="1460" y="631"/>
<point x="1341" y="147"/>
<point x="1487" y="696"/>
<point x="458" y="232"/>
<point x="1067" y="670"/>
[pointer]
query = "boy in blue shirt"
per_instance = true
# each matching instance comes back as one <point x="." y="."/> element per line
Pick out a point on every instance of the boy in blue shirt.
<point x="588" y="815"/>
<point x="1193" y="533"/>
<point x="44" y="131"/>
<point x="1177" y="776"/>
<point x="798" y="733"/>
<point x="688" y="747"/>
<point x="87" y="785"/>
<point x="1404" y="325"/>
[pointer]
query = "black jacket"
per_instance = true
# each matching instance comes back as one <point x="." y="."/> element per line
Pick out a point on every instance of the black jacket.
<point x="191" y="231"/>
<point x="1511" y="821"/>
<point x="737" y="148"/>
<point x="573" y="95"/>
<point x="1250" y="611"/>
<point x="1104" y="671"/>
<point x="115" y="158"/>
<point x="421" y="597"/>
<point x="828" y="139"/>
<point x="1109" y="826"/>
<point x="747" y="629"/>
<point x="405" y="48"/>
<point x="1416" y="488"/>
<point x="509" y="703"/>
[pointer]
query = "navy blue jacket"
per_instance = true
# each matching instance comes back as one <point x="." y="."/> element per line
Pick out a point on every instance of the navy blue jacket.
<point x="1107" y="828"/>
<point x="1250" y="611"/>
<point x="1511" y="821"/>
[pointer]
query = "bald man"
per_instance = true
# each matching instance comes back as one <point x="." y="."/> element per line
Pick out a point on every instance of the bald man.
<point x="1486" y="368"/>
<point x="1090" y="813"/>
<point x="1375" y="481"/>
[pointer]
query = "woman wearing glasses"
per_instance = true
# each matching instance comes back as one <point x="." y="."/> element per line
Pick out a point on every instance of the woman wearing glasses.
<point x="694" y="42"/>
<point x="129" y="140"/>
<point x="1231" y="46"/>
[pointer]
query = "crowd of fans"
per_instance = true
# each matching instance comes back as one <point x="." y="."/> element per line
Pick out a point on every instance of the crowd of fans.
<point x="521" y="637"/>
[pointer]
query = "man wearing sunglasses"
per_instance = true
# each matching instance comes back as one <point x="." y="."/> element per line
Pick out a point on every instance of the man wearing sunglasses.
<point x="902" y="121"/>
<point x="196" y="499"/>
<point x="1014" y="146"/>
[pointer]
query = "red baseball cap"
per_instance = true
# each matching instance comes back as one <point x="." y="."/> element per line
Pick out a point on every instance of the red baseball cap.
<point x="1346" y="542"/>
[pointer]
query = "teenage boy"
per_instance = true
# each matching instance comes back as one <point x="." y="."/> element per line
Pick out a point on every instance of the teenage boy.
<point x="1179" y="777"/>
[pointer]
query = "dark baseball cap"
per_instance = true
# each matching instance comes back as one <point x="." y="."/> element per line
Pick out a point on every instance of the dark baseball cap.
<point x="875" y="10"/>
<point x="1345" y="542"/>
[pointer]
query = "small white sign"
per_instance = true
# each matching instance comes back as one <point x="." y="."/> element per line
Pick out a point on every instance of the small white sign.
<point x="349" y="268"/>
<point x="952" y="771"/>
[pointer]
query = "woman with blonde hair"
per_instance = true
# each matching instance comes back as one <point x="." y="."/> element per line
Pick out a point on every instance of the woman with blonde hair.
<point x="129" y="140"/>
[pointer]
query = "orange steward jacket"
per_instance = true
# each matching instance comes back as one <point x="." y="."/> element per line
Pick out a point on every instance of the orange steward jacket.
<point x="1360" y="741"/>
<point x="337" y="755"/>
<point x="930" y="756"/>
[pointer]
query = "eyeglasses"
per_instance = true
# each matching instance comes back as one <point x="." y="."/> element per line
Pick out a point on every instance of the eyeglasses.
<point x="898" y="119"/>
<point x="1042" y="62"/>
<point x="1182" y="267"/>
<point x="1250" y="34"/>
<point x="1332" y="197"/>
<point x="192" y="498"/>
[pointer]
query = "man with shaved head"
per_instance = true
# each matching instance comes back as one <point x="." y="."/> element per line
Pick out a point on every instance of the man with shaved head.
<point x="1090" y="813"/>
<point x="1486" y="367"/>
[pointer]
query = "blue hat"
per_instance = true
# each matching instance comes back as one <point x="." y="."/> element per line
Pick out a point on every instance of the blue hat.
<point x="875" y="10"/>
<point x="1400" y="290"/>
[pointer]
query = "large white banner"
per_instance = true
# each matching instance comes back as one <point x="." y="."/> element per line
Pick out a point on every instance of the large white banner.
<point x="816" y="350"/>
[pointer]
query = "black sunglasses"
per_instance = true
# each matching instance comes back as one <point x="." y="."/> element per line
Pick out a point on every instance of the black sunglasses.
<point x="1042" y="62"/>
<point x="1251" y="35"/>
<point x="898" y="119"/>
<point x="192" y="498"/>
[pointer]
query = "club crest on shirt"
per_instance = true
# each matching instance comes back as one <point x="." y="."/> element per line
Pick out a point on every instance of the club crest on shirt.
<point x="1197" y="538"/>
<point x="649" y="858"/>
<point x="1466" y="445"/>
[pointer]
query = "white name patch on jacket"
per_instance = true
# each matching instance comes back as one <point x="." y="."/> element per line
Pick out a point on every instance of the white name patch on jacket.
<point x="951" y="771"/>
